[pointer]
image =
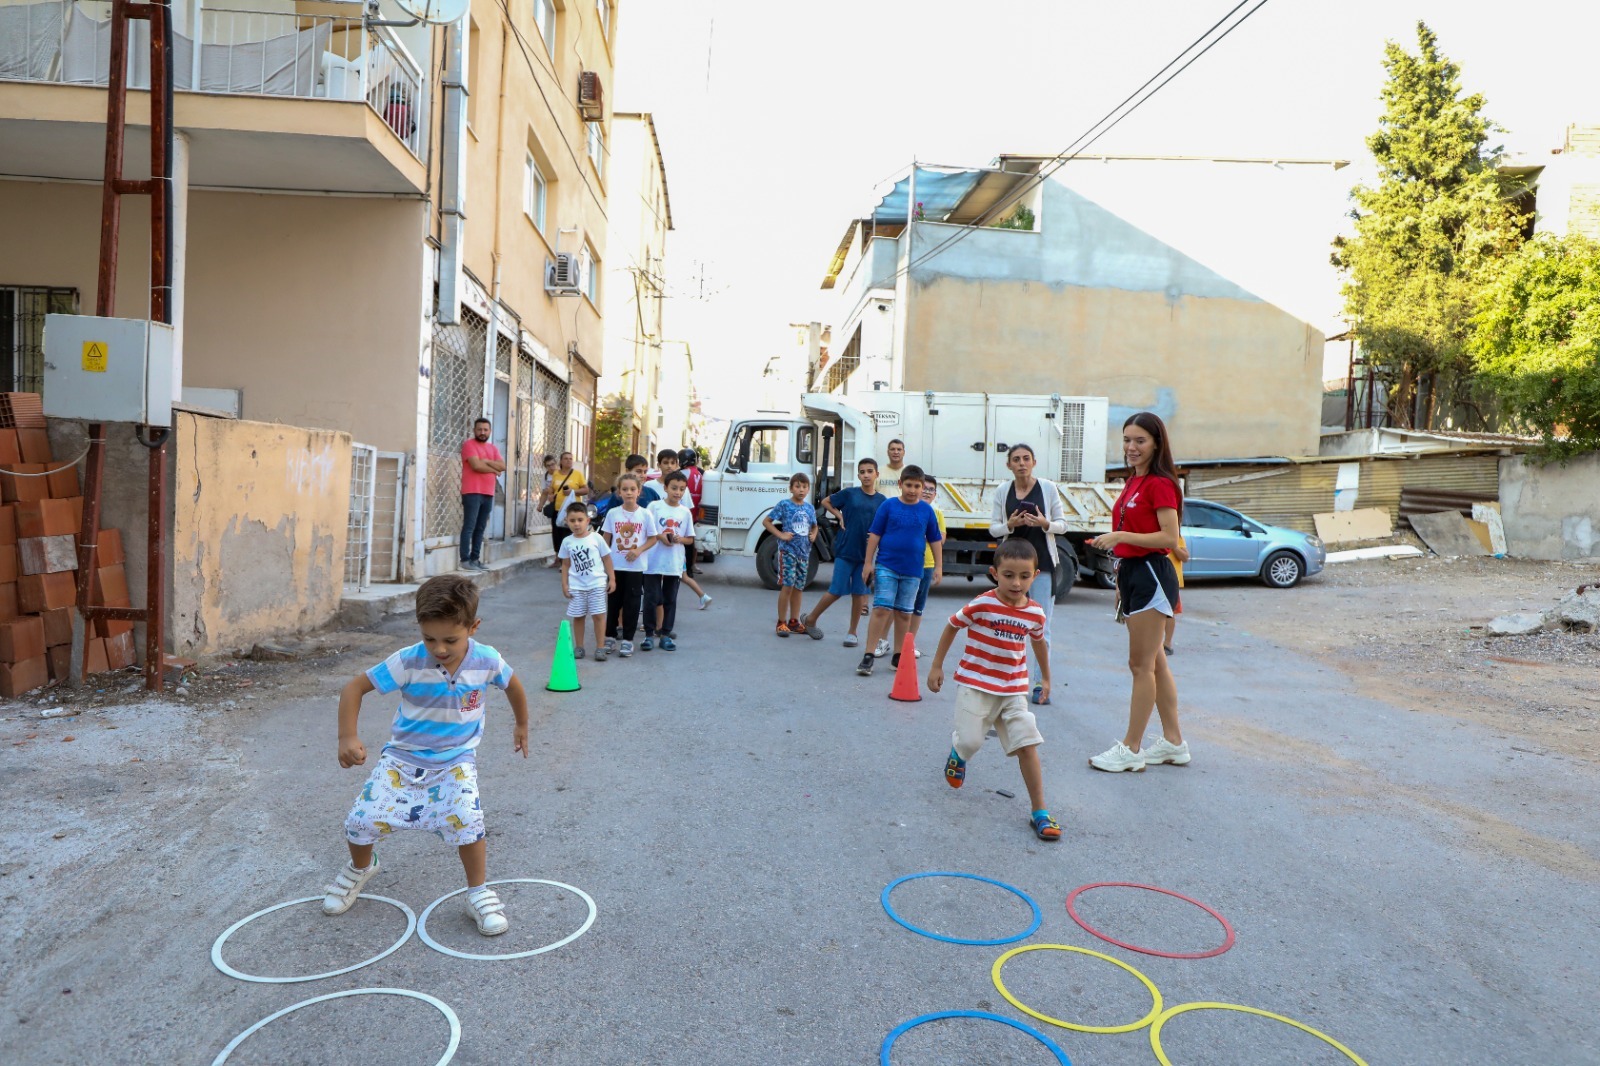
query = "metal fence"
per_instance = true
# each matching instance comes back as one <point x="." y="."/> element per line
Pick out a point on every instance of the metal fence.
<point x="22" y="312"/>
<point x="457" y="399"/>
<point x="540" y="430"/>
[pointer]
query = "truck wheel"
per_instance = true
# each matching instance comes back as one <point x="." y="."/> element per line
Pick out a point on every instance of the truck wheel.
<point x="811" y="566"/>
<point x="767" y="562"/>
<point x="1066" y="571"/>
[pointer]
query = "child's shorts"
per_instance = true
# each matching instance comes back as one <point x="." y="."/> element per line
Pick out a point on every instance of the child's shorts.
<point x="792" y="569"/>
<point x="847" y="580"/>
<point x="586" y="602"/>
<point x="893" y="591"/>
<point x="978" y="712"/>
<point x="399" y="796"/>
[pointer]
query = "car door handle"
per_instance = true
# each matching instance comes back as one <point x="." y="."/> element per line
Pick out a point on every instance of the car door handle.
<point x="779" y="477"/>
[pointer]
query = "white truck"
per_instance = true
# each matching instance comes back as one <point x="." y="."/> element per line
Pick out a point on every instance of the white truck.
<point x="961" y="438"/>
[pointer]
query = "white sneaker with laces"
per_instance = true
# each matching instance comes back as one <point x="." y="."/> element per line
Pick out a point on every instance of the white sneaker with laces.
<point x="1118" y="758"/>
<point x="487" y="911"/>
<point x="919" y="652"/>
<point x="882" y="649"/>
<point x="705" y="600"/>
<point x="347" y="886"/>
<point x="1161" y="750"/>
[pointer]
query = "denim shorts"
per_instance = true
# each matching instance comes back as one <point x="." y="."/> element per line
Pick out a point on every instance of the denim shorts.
<point x="847" y="578"/>
<point x="894" y="591"/>
<point x="922" y="591"/>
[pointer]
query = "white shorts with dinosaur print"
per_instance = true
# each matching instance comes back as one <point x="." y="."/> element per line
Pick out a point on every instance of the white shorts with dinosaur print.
<point x="398" y="796"/>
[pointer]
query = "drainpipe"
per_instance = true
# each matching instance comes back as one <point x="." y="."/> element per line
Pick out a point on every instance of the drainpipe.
<point x="453" y="174"/>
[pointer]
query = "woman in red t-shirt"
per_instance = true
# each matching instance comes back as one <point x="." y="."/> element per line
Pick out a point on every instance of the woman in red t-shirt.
<point x="1144" y="526"/>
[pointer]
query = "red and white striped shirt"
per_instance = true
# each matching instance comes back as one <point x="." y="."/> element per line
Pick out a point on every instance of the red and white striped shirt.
<point x="995" y="658"/>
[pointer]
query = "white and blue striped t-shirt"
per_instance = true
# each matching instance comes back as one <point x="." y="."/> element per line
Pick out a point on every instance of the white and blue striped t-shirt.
<point x="440" y="718"/>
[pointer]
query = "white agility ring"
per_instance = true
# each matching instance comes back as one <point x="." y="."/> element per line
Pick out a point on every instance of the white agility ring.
<point x="442" y="1007"/>
<point x="422" y="925"/>
<point x="216" y="948"/>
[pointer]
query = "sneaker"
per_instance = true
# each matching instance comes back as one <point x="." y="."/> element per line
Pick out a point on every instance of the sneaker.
<point x="647" y="644"/>
<point x="1161" y="750"/>
<point x="599" y="655"/>
<point x="1039" y="696"/>
<point x="705" y="600"/>
<point x="882" y="649"/>
<point x="918" y="651"/>
<point x="668" y="644"/>
<point x="474" y="564"/>
<point x="797" y="626"/>
<point x="851" y="640"/>
<point x="864" y="668"/>
<point x="487" y="912"/>
<point x="783" y="629"/>
<point x="955" y="770"/>
<point x="1118" y="758"/>
<point x="625" y="649"/>
<point x="347" y="886"/>
<point x="611" y="644"/>
<point x="577" y="653"/>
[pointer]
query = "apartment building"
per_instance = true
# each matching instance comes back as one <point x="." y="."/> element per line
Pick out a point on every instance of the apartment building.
<point x="381" y="227"/>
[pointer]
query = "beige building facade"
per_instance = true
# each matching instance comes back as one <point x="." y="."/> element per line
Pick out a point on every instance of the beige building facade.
<point x="379" y="231"/>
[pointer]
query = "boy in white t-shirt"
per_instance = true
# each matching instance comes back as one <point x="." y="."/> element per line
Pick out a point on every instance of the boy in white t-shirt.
<point x="632" y="531"/>
<point x="586" y="579"/>
<point x="664" y="570"/>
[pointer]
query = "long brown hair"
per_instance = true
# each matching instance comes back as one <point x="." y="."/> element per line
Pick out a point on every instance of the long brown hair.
<point x="1161" y="463"/>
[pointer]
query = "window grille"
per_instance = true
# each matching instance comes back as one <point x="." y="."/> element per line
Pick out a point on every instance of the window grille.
<point x="457" y="399"/>
<point x="1071" y="442"/>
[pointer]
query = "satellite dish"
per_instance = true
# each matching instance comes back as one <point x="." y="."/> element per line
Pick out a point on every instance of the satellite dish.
<point x="434" y="12"/>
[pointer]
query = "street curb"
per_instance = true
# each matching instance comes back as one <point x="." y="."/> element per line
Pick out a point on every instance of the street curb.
<point x="370" y="607"/>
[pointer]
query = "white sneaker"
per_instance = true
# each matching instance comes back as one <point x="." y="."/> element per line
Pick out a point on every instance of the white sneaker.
<point x="487" y="911"/>
<point x="625" y="649"/>
<point x="1161" y="750"/>
<point x="919" y="653"/>
<point x="705" y="600"/>
<point x="882" y="649"/>
<point x="347" y="886"/>
<point x="1117" y="758"/>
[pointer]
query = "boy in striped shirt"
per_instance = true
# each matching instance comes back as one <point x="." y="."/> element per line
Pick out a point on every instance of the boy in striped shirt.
<point x="993" y="676"/>
<point x="427" y="775"/>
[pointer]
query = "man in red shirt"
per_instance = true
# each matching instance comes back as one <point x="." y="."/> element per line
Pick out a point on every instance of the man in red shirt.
<point x="481" y="464"/>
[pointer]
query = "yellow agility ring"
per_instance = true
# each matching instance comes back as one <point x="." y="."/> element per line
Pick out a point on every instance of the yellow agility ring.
<point x="1173" y="1012"/>
<point x="1155" y="994"/>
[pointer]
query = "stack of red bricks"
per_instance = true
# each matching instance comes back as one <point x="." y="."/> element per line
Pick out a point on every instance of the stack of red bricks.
<point x="40" y="521"/>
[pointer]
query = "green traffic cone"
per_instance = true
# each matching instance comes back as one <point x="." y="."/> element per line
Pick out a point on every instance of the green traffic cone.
<point x="564" y="667"/>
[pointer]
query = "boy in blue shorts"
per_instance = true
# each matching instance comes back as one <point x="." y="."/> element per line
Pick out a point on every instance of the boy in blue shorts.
<point x="902" y="532"/>
<point x="794" y="523"/>
<point x="427" y="775"/>
<point x="855" y="508"/>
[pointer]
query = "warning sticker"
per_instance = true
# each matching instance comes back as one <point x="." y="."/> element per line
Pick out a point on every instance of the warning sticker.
<point x="94" y="357"/>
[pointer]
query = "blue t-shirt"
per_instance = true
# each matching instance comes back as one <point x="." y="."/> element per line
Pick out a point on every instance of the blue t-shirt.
<point x="859" y="510"/>
<point x="440" y="718"/>
<point x="799" y="519"/>
<point x="904" y="531"/>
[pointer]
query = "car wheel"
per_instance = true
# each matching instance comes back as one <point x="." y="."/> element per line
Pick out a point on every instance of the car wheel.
<point x="1283" y="570"/>
<point x="767" y="562"/>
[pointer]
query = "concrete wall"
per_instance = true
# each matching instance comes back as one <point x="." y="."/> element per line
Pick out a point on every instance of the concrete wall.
<point x="1091" y="305"/>
<point x="258" y="530"/>
<point x="1551" y="512"/>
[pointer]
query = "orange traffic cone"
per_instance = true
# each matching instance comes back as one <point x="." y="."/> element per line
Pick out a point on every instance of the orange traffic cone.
<point x="905" y="676"/>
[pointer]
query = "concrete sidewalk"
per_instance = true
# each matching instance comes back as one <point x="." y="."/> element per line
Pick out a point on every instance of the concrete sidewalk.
<point x="361" y="608"/>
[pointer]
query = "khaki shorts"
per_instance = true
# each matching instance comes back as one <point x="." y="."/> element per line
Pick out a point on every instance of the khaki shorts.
<point x="978" y="712"/>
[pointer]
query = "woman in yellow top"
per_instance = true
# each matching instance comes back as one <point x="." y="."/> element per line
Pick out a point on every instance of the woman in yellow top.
<point x="566" y="483"/>
<point x="930" y="496"/>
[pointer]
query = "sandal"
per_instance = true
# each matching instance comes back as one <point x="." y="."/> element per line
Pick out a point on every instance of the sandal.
<point x="488" y="912"/>
<point x="797" y="626"/>
<point x="783" y="630"/>
<point x="1045" y="827"/>
<point x="955" y="770"/>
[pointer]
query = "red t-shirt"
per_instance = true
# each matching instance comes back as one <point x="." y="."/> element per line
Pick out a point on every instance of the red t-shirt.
<point x="995" y="658"/>
<point x="1135" y="511"/>
<point x="473" y="482"/>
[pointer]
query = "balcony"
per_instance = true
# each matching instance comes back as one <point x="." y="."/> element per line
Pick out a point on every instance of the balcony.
<point x="303" y="98"/>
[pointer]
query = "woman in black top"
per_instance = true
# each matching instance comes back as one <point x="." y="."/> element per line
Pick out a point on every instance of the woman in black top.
<point x="1029" y="508"/>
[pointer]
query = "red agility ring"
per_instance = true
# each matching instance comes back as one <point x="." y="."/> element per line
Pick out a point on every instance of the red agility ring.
<point x="1092" y="931"/>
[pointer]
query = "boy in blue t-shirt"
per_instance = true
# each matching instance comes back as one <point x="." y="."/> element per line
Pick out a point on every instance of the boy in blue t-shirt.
<point x="902" y="532"/>
<point x="427" y="774"/>
<point x="794" y="523"/>
<point x="855" y="508"/>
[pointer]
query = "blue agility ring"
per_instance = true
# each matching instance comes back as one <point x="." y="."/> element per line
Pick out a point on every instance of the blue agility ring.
<point x="888" y="1041"/>
<point x="1038" y="915"/>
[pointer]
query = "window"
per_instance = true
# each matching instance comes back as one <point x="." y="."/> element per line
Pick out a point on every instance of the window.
<point x="580" y="430"/>
<point x="597" y="148"/>
<point x="766" y="446"/>
<point x="22" y="312"/>
<point x="1199" y="516"/>
<point x="589" y="274"/>
<point x="604" y="9"/>
<point x="544" y="20"/>
<point x="535" y="192"/>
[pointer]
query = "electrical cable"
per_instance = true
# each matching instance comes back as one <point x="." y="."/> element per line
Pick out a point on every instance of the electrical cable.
<point x="1076" y="148"/>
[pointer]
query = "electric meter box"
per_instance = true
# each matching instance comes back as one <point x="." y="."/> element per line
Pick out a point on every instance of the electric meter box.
<point x="108" y="369"/>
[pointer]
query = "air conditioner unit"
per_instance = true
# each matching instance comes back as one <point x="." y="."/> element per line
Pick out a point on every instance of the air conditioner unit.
<point x="561" y="275"/>
<point x="590" y="97"/>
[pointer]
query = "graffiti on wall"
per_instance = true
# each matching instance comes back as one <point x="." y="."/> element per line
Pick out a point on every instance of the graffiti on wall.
<point x="310" y="468"/>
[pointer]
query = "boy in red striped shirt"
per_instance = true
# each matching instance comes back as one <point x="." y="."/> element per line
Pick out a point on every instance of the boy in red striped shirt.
<point x="993" y="676"/>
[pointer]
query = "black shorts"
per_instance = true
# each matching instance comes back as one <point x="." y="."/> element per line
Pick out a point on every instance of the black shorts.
<point x="1146" y="583"/>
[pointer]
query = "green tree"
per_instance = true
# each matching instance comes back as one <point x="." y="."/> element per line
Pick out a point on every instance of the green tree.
<point x="1428" y="235"/>
<point x="1536" y="341"/>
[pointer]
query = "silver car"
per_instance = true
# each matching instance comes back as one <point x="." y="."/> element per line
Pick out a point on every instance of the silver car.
<point x="1224" y="543"/>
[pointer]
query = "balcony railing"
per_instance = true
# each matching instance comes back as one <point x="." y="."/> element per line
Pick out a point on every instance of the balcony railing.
<point x="252" y="53"/>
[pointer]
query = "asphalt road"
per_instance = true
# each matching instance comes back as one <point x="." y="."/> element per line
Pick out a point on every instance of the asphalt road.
<point x="1421" y="890"/>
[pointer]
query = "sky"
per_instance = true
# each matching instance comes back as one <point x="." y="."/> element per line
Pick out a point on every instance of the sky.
<point x="779" y="124"/>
